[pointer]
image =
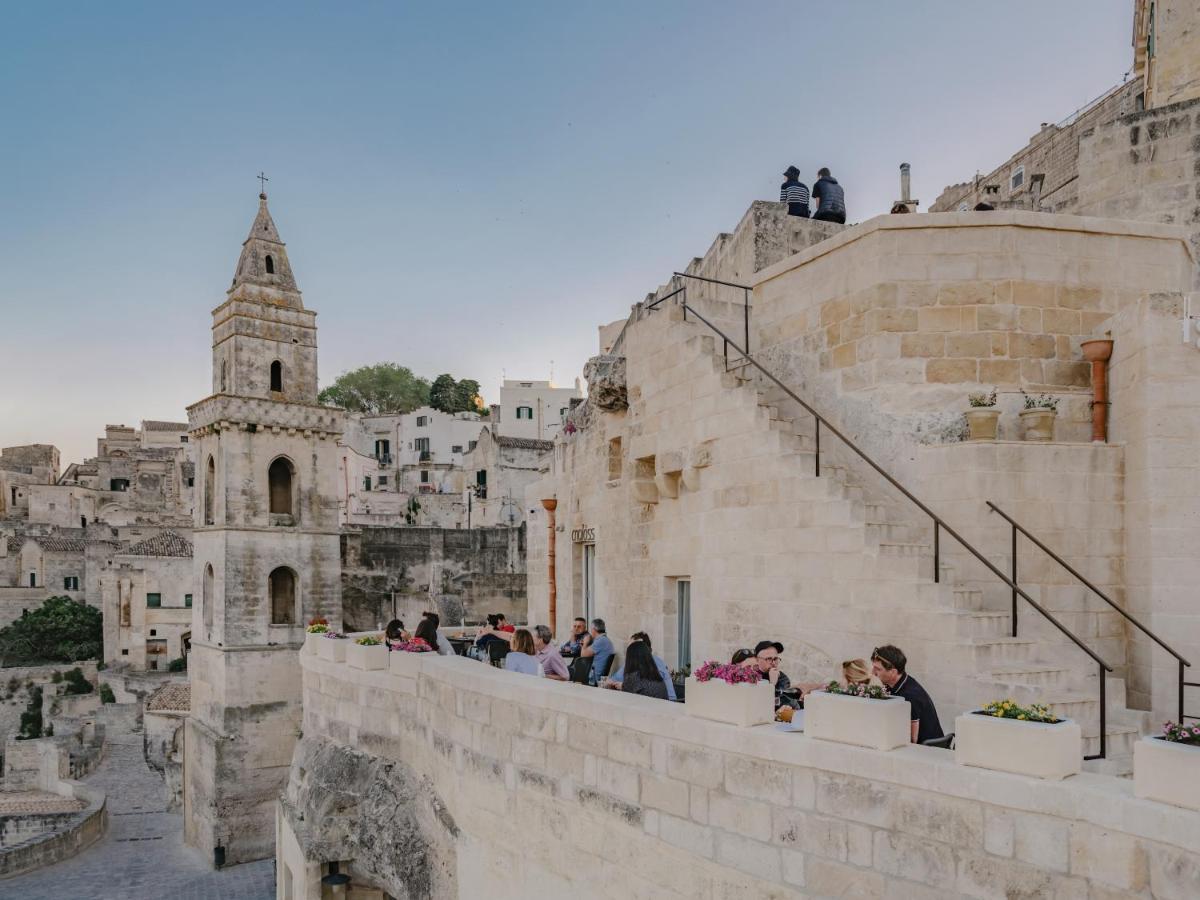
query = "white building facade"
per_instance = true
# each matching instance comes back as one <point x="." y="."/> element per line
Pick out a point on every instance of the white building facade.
<point x="534" y="409"/>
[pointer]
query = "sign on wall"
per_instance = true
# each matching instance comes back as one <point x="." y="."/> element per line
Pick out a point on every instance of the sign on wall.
<point x="583" y="535"/>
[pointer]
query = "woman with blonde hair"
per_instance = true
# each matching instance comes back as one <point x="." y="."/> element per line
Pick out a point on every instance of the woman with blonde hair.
<point x="858" y="671"/>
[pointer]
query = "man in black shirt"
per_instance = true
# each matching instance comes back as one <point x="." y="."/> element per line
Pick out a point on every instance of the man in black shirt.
<point x="831" y="199"/>
<point x="888" y="662"/>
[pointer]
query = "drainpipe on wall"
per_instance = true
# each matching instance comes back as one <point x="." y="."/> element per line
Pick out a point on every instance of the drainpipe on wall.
<point x="551" y="505"/>
<point x="1097" y="352"/>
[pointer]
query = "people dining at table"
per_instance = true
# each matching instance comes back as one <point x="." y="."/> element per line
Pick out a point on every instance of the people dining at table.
<point x="600" y="648"/>
<point x="553" y="666"/>
<point x="521" y="658"/>
<point x="579" y="637"/>
<point x="618" y="676"/>
<point x="641" y="675"/>
<point x="395" y="635"/>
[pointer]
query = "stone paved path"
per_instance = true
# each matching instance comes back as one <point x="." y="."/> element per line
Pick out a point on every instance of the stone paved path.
<point x="142" y="856"/>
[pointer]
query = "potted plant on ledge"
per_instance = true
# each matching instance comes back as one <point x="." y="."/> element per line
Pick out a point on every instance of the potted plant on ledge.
<point x="865" y="715"/>
<point x="1038" y="416"/>
<point x="314" y="631"/>
<point x="982" y="417"/>
<point x="735" y="694"/>
<point x="1026" y="740"/>
<point x="368" y="652"/>
<point x="330" y="645"/>
<point x="1166" y="767"/>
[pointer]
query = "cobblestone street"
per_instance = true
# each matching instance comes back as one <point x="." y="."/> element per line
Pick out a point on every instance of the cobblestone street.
<point x="142" y="855"/>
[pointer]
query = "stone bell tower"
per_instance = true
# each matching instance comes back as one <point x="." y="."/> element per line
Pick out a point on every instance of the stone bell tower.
<point x="266" y="550"/>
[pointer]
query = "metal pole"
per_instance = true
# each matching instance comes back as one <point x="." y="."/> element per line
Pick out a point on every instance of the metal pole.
<point x="746" y="316"/>
<point x="1103" y="714"/>
<point x="818" y="456"/>
<point x="937" y="553"/>
<point x="1014" y="581"/>
<point x="1181" y="692"/>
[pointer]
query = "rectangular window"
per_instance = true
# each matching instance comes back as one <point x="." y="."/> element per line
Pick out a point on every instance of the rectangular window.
<point x="153" y="601"/>
<point x="1017" y="179"/>
<point x="457" y="448"/>
<point x="191" y="482"/>
<point x="183" y="439"/>
<point x="683" y="597"/>
<point x="33" y="579"/>
<point x="187" y="600"/>
<point x="524" y="412"/>
<point x="383" y="480"/>
<point x="421" y="444"/>
<point x="422" y="421"/>
<point x="471" y="446"/>
<point x="589" y="581"/>
<point x="366" y="482"/>
<point x="424" y="477"/>
<point x="71" y="583"/>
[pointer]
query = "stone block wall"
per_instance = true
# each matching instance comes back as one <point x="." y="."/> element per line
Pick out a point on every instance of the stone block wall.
<point x="591" y="793"/>
<point x="890" y="324"/>
<point x="1145" y="166"/>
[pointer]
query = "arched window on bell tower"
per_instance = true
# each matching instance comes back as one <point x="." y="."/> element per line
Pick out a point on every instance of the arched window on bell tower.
<point x="280" y="478"/>
<point x="206" y="597"/>
<point x="282" y="585"/>
<point x="210" y="486"/>
<point x="277" y="376"/>
<point x="270" y="265"/>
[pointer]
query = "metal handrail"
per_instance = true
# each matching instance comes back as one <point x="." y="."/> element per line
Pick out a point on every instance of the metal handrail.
<point x="1018" y="527"/>
<point x="938" y="523"/>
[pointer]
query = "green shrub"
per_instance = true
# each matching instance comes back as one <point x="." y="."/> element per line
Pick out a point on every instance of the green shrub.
<point x="31" y="719"/>
<point x="77" y="682"/>
<point x="106" y="694"/>
<point x="57" y="677"/>
<point x="60" y="630"/>
<point x="177" y="665"/>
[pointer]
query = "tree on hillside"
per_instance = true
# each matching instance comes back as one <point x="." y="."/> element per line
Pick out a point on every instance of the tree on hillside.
<point x="383" y="389"/>
<point x="60" y="630"/>
<point x="452" y="396"/>
<point x="443" y="394"/>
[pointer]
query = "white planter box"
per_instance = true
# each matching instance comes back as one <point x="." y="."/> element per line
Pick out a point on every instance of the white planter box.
<point x="1039" y="749"/>
<point x="369" y="658"/>
<point x="406" y="664"/>
<point x="332" y="649"/>
<point x="737" y="704"/>
<point x="878" y="724"/>
<point x="1167" y="771"/>
<point x="310" y="642"/>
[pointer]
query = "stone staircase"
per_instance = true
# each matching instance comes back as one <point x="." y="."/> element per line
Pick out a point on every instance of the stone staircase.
<point x="978" y="659"/>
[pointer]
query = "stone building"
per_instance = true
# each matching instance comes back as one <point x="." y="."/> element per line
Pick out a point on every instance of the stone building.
<point x="1133" y="153"/>
<point x="498" y="469"/>
<point x="266" y="549"/>
<point x="533" y="409"/>
<point x="694" y="511"/>
<point x="147" y="598"/>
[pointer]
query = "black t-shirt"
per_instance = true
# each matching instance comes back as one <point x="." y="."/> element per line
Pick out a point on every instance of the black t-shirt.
<point x="923" y="711"/>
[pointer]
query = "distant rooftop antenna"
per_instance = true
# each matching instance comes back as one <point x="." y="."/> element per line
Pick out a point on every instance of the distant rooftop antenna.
<point x="906" y="189"/>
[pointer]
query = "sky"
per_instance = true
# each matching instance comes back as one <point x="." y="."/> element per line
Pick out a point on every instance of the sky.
<point x="464" y="188"/>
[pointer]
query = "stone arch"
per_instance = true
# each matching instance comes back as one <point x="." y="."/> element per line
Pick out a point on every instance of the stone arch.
<point x="281" y="586"/>
<point x="210" y="487"/>
<point x="281" y="487"/>
<point x="277" y="376"/>
<point x="270" y="265"/>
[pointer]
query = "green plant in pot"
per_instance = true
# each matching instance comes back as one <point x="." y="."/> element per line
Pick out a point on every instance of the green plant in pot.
<point x="983" y="417"/>
<point x="1037" y="418"/>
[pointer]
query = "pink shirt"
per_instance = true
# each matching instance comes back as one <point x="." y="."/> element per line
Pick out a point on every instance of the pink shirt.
<point x="552" y="661"/>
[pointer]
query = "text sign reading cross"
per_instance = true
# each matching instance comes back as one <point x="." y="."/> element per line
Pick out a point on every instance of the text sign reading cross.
<point x="262" y="180"/>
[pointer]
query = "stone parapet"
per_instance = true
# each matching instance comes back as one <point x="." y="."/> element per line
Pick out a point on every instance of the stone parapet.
<point x="600" y="793"/>
<point x="226" y="411"/>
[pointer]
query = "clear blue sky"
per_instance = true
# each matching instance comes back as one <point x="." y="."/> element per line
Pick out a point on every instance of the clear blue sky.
<point x="467" y="188"/>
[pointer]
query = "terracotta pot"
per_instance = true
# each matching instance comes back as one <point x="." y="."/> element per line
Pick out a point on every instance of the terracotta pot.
<point x="1038" y="423"/>
<point x="982" y="422"/>
<point x="1097" y="350"/>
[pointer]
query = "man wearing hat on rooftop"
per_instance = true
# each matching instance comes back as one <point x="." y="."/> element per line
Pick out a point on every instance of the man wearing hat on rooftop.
<point x="766" y="656"/>
<point x="794" y="193"/>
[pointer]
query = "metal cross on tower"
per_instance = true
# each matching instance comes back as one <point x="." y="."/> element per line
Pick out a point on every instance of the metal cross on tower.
<point x="262" y="181"/>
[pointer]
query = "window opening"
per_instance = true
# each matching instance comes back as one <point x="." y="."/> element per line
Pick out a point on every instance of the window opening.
<point x="277" y="376"/>
<point x="279" y="476"/>
<point x="283" y="596"/>
<point x="270" y="265"/>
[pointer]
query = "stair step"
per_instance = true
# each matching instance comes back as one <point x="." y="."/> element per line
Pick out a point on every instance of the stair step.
<point x="891" y="548"/>
<point x="1031" y="674"/>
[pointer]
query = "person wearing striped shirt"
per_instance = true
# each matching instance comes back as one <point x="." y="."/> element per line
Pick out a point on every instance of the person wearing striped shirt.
<point x="794" y="193"/>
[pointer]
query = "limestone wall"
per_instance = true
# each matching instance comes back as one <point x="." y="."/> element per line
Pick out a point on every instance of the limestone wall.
<point x="591" y="793"/>
<point x="1145" y="166"/>
<point x="404" y="571"/>
<point x="889" y="325"/>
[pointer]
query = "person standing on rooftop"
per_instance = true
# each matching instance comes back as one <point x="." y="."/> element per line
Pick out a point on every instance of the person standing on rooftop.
<point x="831" y="199"/>
<point x="794" y="193"/>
